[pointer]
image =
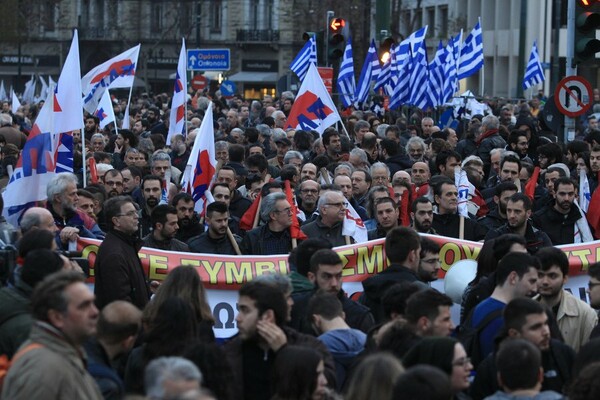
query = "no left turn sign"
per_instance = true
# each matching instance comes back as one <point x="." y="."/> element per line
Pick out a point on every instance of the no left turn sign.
<point x="573" y="96"/>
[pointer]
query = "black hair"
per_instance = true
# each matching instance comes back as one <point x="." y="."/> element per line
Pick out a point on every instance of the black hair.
<point x="551" y="256"/>
<point x="517" y="262"/>
<point x="399" y="242"/>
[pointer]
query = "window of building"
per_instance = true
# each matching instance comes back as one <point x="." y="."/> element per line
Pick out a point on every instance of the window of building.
<point x="443" y="25"/>
<point x="156" y="17"/>
<point x="216" y="16"/>
<point x="431" y="30"/>
<point x="254" y="13"/>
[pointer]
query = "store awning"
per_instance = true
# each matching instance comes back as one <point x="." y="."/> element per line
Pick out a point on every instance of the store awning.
<point x="270" y="77"/>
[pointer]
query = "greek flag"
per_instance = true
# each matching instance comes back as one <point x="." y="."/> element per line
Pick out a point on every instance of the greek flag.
<point x="450" y="68"/>
<point x="346" y="83"/>
<point x="405" y="55"/>
<point x="534" y="74"/>
<point x="471" y="53"/>
<point x="419" y="74"/>
<point x="307" y="55"/>
<point x="370" y="72"/>
<point x="437" y="77"/>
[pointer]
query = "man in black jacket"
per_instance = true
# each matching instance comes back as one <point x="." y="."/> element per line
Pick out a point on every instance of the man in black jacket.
<point x="447" y="221"/>
<point x="561" y="220"/>
<point x="215" y="240"/>
<point x="118" y="271"/>
<point x="187" y="218"/>
<point x="274" y="236"/>
<point x="164" y="229"/>
<point x="402" y="247"/>
<point x="518" y="211"/>
<point x="527" y="319"/>
<point x="262" y="333"/>
<point x="326" y="274"/>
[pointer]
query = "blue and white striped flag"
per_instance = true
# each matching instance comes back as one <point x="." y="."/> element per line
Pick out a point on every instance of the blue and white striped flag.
<point x="404" y="58"/>
<point x="307" y="55"/>
<point x="534" y="73"/>
<point x="419" y="74"/>
<point x="370" y="72"/>
<point x="437" y="77"/>
<point x="385" y="74"/>
<point x="450" y="69"/>
<point x="471" y="53"/>
<point x="346" y="83"/>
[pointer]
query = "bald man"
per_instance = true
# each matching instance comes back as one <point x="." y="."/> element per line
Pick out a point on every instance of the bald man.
<point x="39" y="218"/>
<point x="420" y="174"/>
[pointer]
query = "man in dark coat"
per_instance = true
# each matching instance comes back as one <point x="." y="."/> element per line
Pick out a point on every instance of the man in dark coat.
<point x="215" y="240"/>
<point x="403" y="247"/>
<point x="326" y="275"/>
<point x="118" y="270"/>
<point x="262" y="333"/>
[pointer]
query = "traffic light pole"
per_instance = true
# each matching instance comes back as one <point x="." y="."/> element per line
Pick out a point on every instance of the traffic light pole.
<point x="571" y="69"/>
<point x="330" y="14"/>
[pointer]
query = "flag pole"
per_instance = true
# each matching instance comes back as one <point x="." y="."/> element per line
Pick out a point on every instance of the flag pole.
<point x="84" y="177"/>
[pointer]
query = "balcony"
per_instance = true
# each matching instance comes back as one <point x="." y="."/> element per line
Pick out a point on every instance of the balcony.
<point x="257" y="35"/>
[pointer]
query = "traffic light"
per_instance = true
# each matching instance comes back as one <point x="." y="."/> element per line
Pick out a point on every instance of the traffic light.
<point x="385" y="46"/>
<point x="587" y="21"/>
<point x="336" y="29"/>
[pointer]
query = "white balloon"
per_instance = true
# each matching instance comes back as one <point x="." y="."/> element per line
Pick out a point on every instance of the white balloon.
<point x="458" y="277"/>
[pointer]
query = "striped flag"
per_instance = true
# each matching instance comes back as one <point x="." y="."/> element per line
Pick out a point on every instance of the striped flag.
<point x="534" y="74"/>
<point x="370" y="72"/>
<point x="384" y="76"/>
<point x="306" y="56"/>
<point x="437" y="77"/>
<point x="451" y="67"/>
<point x="177" y="117"/>
<point x="401" y="89"/>
<point x="346" y="83"/>
<point x="419" y="74"/>
<point x="471" y="53"/>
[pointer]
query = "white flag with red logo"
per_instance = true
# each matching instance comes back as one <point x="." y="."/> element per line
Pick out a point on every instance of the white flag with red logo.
<point x="313" y="108"/>
<point x="201" y="166"/>
<point x="177" y="117"/>
<point x="118" y="72"/>
<point x="68" y="105"/>
<point x="105" y="111"/>
<point x="354" y="226"/>
<point x="466" y="191"/>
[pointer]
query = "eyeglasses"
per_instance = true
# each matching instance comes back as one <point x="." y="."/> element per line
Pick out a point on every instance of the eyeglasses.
<point x="313" y="191"/>
<point x="113" y="183"/>
<point x="133" y="213"/>
<point x="461" y="362"/>
<point x="285" y="210"/>
<point x="339" y="205"/>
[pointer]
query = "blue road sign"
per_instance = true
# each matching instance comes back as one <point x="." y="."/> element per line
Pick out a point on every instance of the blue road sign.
<point x="228" y="88"/>
<point x="208" y="60"/>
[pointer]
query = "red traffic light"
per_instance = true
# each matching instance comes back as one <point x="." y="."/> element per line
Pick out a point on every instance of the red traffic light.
<point x="587" y="3"/>
<point x="337" y="24"/>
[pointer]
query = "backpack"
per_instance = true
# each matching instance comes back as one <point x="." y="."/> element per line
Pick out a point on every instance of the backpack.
<point x="469" y="335"/>
<point x="5" y="363"/>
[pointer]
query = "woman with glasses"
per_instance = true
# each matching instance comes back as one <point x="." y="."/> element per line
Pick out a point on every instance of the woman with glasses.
<point x="449" y="355"/>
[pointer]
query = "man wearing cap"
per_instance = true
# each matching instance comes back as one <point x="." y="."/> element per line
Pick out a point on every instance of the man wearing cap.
<point x="283" y="145"/>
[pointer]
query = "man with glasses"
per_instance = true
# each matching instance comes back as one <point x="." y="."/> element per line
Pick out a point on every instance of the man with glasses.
<point x="309" y="195"/>
<point x="274" y="236"/>
<point x="118" y="271"/>
<point x="328" y="225"/>
<point x="113" y="183"/>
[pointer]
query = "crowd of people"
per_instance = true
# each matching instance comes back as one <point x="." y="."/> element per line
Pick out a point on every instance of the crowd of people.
<point x="301" y="336"/>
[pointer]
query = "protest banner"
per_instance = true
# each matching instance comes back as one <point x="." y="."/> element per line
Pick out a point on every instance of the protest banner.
<point x="222" y="275"/>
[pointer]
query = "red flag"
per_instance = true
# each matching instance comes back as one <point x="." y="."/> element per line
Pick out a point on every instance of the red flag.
<point x="93" y="170"/>
<point x="295" y="231"/>
<point x="247" y="220"/>
<point x="593" y="214"/>
<point x="404" y="209"/>
<point x="531" y="185"/>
